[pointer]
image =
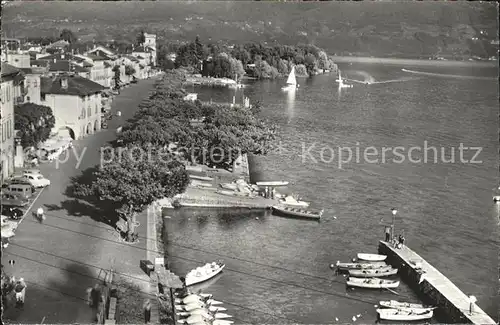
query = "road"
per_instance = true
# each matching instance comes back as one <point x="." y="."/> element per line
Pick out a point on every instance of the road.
<point x="62" y="257"/>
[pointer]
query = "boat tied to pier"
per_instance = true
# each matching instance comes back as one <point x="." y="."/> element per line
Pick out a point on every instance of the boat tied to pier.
<point x="359" y="266"/>
<point x="372" y="257"/>
<point x="272" y="183"/>
<point x="298" y="212"/>
<point x="204" y="273"/>
<point x="394" y="304"/>
<point x="373" y="283"/>
<point x="404" y="314"/>
<point x="194" y="306"/>
<point x="291" y="201"/>
<point x="369" y="273"/>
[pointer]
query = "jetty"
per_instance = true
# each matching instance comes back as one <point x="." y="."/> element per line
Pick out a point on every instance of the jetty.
<point x="454" y="306"/>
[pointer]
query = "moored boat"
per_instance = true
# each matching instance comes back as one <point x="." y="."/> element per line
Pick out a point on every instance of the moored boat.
<point x="373" y="283"/>
<point x="272" y="183"/>
<point x="207" y="314"/>
<point x="370" y="273"/>
<point x="194" y="306"/>
<point x="394" y="304"/>
<point x="404" y="314"/>
<point x="359" y="266"/>
<point x="291" y="201"/>
<point x="204" y="273"/>
<point x="298" y="212"/>
<point x="195" y="299"/>
<point x="371" y="257"/>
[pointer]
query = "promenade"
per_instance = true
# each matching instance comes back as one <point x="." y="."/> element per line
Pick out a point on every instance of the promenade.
<point x="67" y="254"/>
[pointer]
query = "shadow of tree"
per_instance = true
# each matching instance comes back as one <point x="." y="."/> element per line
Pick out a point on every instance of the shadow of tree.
<point x="87" y="205"/>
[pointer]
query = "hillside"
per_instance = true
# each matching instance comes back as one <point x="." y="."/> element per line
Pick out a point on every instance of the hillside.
<point x="385" y="29"/>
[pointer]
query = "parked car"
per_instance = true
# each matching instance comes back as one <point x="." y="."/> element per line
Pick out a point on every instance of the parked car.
<point x="21" y="180"/>
<point x="12" y="212"/>
<point x="37" y="180"/>
<point x="13" y="200"/>
<point x="32" y="171"/>
<point x="20" y="189"/>
<point x="104" y="125"/>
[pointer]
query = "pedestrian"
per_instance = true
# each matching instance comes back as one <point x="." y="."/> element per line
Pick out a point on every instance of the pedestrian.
<point x="95" y="294"/>
<point x="402" y="240"/>
<point x="40" y="215"/>
<point x="20" y="290"/>
<point x="147" y="311"/>
<point x="387" y="234"/>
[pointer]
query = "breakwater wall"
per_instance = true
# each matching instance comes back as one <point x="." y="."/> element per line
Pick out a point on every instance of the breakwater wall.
<point x="433" y="287"/>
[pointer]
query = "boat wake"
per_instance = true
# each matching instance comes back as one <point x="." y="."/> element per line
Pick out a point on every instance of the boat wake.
<point x="369" y="80"/>
<point x="444" y="75"/>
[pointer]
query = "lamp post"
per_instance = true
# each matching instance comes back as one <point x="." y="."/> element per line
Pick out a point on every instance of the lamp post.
<point x="394" y="212"/>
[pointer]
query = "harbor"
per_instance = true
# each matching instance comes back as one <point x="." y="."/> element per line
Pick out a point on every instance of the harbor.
<point x="454" y="306"/>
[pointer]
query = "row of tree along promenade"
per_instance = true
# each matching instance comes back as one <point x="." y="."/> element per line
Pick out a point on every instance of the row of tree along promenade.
<point x="148" y="161"/>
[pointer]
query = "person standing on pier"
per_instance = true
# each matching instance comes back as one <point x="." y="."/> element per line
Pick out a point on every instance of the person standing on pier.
<point x="387" y="234"/>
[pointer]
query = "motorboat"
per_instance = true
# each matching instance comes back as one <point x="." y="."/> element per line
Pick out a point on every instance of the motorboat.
<point x="291" y="82"/>
<point x="359" y="266"/>
<point x="201" y="274"/>
<point x="394" y="304"/>
<point x="195" y="298"/>
<point x="404" y="314"/>
<point x="291" y="201"/>
<point x="371" y="273"/>
<point x="298" y="212"/>
<point x="373" y="283"/>
<point x="201" y="319"/>
<point x="371" y="257"/>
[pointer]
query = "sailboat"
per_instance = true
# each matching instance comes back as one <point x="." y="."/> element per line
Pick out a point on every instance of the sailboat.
<point x="291" y="82"/>
<point x="341" y="83"/>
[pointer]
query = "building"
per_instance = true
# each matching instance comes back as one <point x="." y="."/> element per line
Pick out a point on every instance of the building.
<point x="17" y="60"/>
<point x="32" y="84"/>
<point x="11" y="76"/>
<point x="75" y="102"/>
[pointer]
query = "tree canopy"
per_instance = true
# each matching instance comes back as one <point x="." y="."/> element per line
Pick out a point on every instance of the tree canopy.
<point x="34" y="123"/>
<point x="68" y="36"/>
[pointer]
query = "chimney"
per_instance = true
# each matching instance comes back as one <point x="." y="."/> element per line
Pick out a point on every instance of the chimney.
<point x="64" y="82"/>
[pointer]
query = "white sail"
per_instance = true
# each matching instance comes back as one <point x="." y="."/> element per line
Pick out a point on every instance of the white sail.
<point x="291" y="78"/>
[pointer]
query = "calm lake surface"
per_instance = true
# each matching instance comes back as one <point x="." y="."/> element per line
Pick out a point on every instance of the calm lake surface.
<point x="278" y="268"/>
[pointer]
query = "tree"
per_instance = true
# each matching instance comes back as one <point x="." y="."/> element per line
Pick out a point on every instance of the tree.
<point x="116" y="77"/>
<point x="131" y="182"/>
<point x="129" y="70"/>
<point x="311" y="64"/>
<point x="323" y="61"/>
<point x="236" y="68"/>
<point x="300" y="70"/>
<point x="35" y="123"/>
<point x="68" y="36"/>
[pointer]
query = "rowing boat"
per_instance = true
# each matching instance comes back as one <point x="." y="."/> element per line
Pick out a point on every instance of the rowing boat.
<point x="405" y="305"/>
<point x="359" y="266"/>
<point x="371" y="257"/>
<point x="298" y="212"/>
<point x="193" y="306"/>
<point x="404" y="315"/>
<point x="272" y="183"/>
<point x="204" y="273"/>
<point x="191" y="300"/>
<point x="373" y="283"/>
<point x="370" y="273"/>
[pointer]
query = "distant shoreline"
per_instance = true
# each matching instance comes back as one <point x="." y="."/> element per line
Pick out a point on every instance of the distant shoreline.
<point x="345" y="59"/>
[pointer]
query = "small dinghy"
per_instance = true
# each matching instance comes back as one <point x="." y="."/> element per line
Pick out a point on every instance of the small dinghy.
<point x="359" y="266"/>
<point x="371" y="257"/>
<point x="405" y="305"/>
<point x="291" y="201"/>
<point x="404" y="314"/>
<point x="373" y="283"/>
<point x="371" y="273"/>
<point x="204" y="273"/>
<point x="205" y="313"/>
<point x="191" y="298"/>
<point x="298" y="212"/>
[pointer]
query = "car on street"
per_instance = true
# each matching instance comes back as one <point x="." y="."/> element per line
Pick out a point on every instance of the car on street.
<point x="13" y="200"/>
<point x="12" y="212"/>
<point x="37" y="180"/>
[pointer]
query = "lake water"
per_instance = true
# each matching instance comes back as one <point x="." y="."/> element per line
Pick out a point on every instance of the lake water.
<point x="278" y="269"/>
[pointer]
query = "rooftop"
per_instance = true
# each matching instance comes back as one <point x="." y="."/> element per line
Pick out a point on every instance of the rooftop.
<point x="9" y="70"/>
<point x="77" y="86"/>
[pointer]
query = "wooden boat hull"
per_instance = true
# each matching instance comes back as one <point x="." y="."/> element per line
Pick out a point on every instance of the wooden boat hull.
<point x="393" y="304"/>
<point x="403" y="315"/>
<point x="372" y="273"/>
<point x="372" y="257"/>
<point x="272" y="183"/>
<point x="297" y="212"/>
<point x="373" y="283"/>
